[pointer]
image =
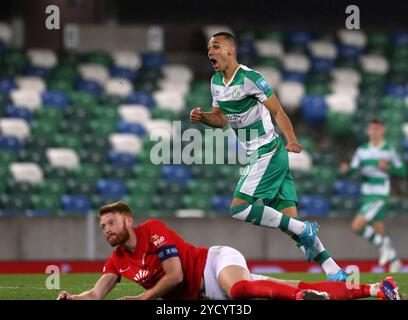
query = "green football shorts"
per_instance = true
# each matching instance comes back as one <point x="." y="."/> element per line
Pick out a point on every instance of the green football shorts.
<point x="268" y="177"/>
<point x="373" y="209"/>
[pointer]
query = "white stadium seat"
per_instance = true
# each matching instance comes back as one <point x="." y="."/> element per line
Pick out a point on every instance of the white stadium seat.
<point x="134" y="113"/>
<point x="178" y="73"/>
<point x="27" y="98"/>
<point x="405" y="129"/>
<point x="95" y="72"/>
<point x="323" y="49"/>
<point x="269" y="48"/>
<point x="5" y="33"/>
<point x="26" y="172"/>
<point x="296" y="62"/>
<point x="338" y="102"/>
<point x="355" y="38"/>
<point x="180" y="87"/>
<point x="126" y="142"/>
<point x="16" y="127"/>
<point x="118" y="87"/>
<point x="290" y="94"/>
<point x="159" y="128"/>
<point x="300" y="161"/>
<point x="31" y="83"/>
<point x="346" y="75"/>
<point x="343" y="88"/>
<point x="63" y="157"/>
<point x="42" y="58"/>
<point x="127" y="59"/>
<point x="375" y="64"/>
<point x="169" y="99"/>
<point x="272" y="75"/>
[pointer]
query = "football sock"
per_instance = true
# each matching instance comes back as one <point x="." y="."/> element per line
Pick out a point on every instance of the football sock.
<point x="369" y="233"/>
<point x="265" y="289"/>
<point x="340" y="290"/>
<point x="267" y="217"/>
<point x="322" y="256"/>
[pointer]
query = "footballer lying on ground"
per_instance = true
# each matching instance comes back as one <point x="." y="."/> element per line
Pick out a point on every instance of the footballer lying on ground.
<point x="158" y="259"/>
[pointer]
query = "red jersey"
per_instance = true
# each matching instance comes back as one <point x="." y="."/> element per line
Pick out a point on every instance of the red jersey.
<point x="156" y="243"/>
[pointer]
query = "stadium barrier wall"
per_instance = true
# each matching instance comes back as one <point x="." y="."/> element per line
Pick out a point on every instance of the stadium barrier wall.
<point x="79" y="238"/>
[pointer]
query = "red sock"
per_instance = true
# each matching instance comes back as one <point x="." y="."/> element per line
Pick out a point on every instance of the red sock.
<point x="262" y="289"/>
<point x="338" y="290"/>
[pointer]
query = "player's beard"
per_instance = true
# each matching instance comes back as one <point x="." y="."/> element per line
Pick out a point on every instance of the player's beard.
<point x="121" y="237"/>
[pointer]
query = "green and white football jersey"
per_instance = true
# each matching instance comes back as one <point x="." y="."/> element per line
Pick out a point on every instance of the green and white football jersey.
<point x="376" y="183"/>
<point x="241" y="101"/>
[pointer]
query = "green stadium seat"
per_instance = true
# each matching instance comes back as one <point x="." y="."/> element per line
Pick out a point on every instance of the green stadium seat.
<point x="107" y="99"/>
<point x="68" y="141"/>
<point x="98" y="57"/>
<point x="102" y="127"/>
<point x="201" y="202"/>
<point x="169" y="202"/>
<point x="43" y="128"/>
<point x="140" y="205"/>
<point x="80" y="186"/>
<point x="83" y="99"/>
<point x="36" y="155"/>
<point x="339" y="123"/>
<point x="114" y="172"/>
<point x="7" y="156"/>
<point x="158" y="113"/>
<point x="88" y="171"/>
<point x="200" y="187"/>
<point x="141" y="187"/>
<point x="18" y="202"/>
<point x="92" y="155"/>
<point x="4" y="171"/>
<point x="16" y="187"/>
<point x="52" y="186"/>
<point x="47" y="202"/>
<point x="148" y="172"/>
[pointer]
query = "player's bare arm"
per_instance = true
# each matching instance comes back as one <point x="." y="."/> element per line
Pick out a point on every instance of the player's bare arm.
<point x="215" y="118"/>
<point x="172" y="278"/>
<point x="283" y="122"/>
<point x="103" y="286"/>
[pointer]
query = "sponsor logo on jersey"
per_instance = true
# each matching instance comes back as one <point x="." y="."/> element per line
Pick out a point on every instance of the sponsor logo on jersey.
<point x="158" y="240"/>
<point x="235" y="94"/>
<point x="141" y="275"/>
<point x="263" y="84"/>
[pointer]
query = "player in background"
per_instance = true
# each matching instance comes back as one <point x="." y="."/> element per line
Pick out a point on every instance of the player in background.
<point x="242" y="97"/>
<point x="376" y="161"/>
<point x="158" y="259"/>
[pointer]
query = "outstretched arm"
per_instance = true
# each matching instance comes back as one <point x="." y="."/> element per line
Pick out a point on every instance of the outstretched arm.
<point x="103" y="286"/>
<point x="283" y="122"/>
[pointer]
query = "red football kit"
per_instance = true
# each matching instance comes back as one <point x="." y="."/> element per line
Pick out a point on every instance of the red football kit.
<point x="156" y="243"/>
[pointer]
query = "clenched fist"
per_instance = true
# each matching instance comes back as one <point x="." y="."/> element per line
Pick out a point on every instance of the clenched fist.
<point x="196" y="115"/>
<point x="64" y="295"/>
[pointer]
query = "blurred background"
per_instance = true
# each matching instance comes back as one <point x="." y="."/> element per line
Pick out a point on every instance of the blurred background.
<point x="78" y="105"/>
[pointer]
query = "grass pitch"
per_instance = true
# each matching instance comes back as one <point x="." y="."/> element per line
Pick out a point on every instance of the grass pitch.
<point x="33" y="286"/>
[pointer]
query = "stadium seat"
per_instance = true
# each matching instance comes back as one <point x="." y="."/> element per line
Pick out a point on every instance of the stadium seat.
<point x="90" y="86"/>
<point x="7" y="84"/>
<point x="72" y="204"/>
<point x="44" y="58"/>
<point x="134" y="113"/>
<point x="121" y="159"/>
<point x="141" y="97"/>
<point x="126" y="142"/>
<point x="221" y="204"/>
<point x="176" y="173"/>
<point x="118" y="87"/>
<point x="126" y="59"/>
<point x="113" y="188"/>
<point x="95" y="72"/>
<point x="313" y="206"/>
<point x="46" y="202"/>
<point x="63" y="157"/>
<point x="19" y="112"/>
<point x="201" y="202"/>
<point x="290" y="94"/>
<point x="123" y="73"/>
<point x="322" y="49"/>
<point x="296" y="62"/>
<point x="52" y="186"/>
<point x="36" y="71"/>
<point x="15" y="127"/>
<point x="314" y="109"/>
<point x="141" y="187"/>
<point x="26" y="172"/>
<point x="346" y="188"/>
<point x="9" y="142"/>
<point x="153" y="60"/>
<point x="31" y="83"/>
<point x="131" y="127"/>
<point x="26" y="98"/>
<point x="269" y="48"/>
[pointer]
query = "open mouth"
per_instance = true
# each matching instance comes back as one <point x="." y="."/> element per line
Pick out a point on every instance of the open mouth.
<point x="214" y="63"/>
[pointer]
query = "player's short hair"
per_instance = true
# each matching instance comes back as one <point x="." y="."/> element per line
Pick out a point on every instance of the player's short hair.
<point x="229" y="36"/>
<point x="120" y="207"/>
<point x="376" y="121"/>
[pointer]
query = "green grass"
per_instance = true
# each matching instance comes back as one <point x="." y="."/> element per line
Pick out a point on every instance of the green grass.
<point x="32" y="286"/>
